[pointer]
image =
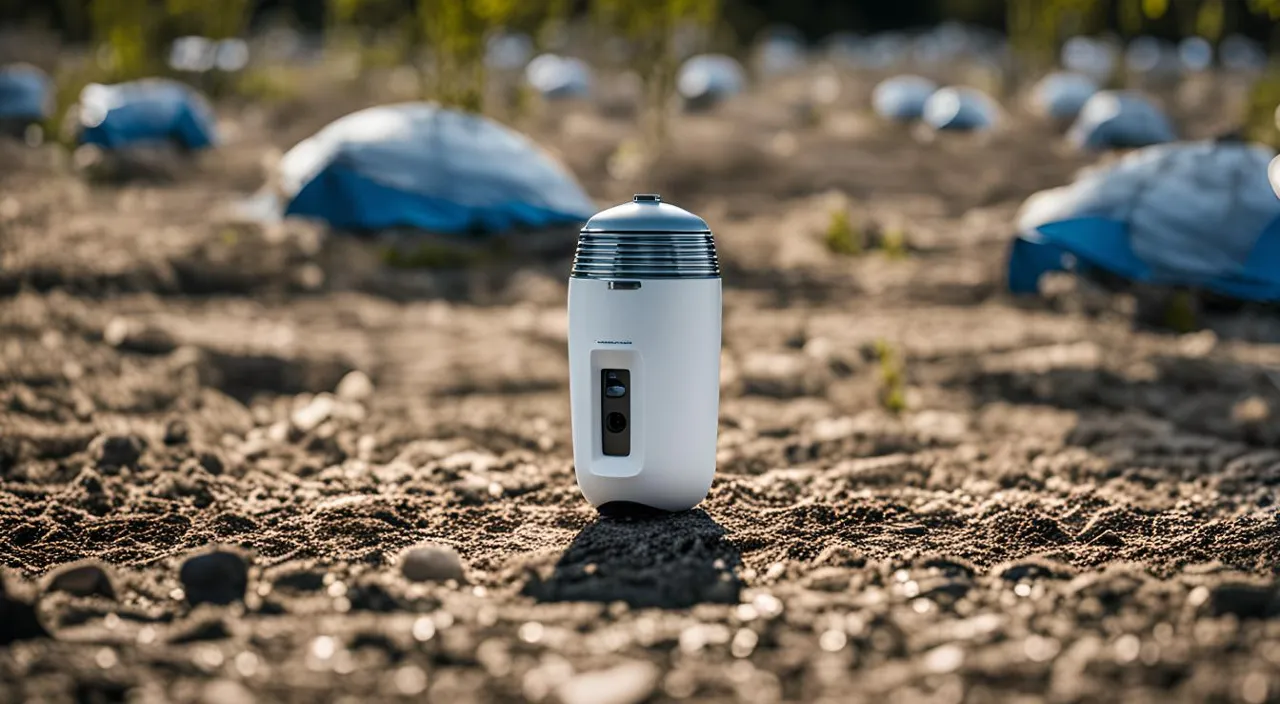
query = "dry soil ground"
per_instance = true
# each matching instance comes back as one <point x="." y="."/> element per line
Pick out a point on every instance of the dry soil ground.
<point x="1070" y="508"/>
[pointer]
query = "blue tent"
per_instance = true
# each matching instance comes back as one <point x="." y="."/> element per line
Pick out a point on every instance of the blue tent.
<point x="1093" y="56"/>
<point x="709" y="78"/>
<point x="902" y="98"/>
<point x="1193" y="214"/>
<point x="782" y="51"/>
<point x="26" y="93"/>
<point x="559" y="77"/>
<point x="1120" y="120"/>
<point x="960" y="109"/>
<point x="1062" y="95"/>
<point x="423" y="166"/>
<point x="148" y="111"/>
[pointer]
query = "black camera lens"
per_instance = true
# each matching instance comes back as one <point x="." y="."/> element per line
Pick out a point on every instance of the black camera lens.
<point x="615" y="422"/>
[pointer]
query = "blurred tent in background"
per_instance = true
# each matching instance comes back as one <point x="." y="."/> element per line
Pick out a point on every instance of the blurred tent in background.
<point x="781" y="51"/>
<point x="1061" y="95"/>
<point x="1194" y="214"/>
<point x="508" y="51"/>
<point x="26" y="98"/>
<point x="708" y="79"/>
<point x="1120" y="120"/>
<point x="1196" y="54"/>
<point x="1242" y="54"/>
<point x="902" y="98"/>
<point x="557" y="77"/>
<point x="145" y="112"/>
<point x="960" y="109"/>
<point x="1153" y="59"/>
<point x="1091" y="56"/>
<point x="199" y="54"/>
<point x="427" y="167"/>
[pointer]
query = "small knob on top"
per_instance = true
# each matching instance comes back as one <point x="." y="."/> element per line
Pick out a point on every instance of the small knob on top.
<point x="647" y="198"/>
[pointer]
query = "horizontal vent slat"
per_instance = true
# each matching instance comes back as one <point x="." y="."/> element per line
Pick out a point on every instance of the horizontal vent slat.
<point x="676" y="256"/>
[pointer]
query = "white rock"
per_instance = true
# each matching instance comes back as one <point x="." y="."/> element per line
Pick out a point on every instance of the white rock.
<point x="629" y="683"/>
<point x="355" y="386"/>
<point x="313" y="414"/>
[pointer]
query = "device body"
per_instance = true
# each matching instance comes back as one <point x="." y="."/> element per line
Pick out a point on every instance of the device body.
<point x="644" y="359"/>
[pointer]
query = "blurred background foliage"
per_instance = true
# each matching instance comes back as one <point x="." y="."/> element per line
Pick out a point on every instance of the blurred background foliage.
<point x="446" y="39"/>
<point x="79" y="20"/>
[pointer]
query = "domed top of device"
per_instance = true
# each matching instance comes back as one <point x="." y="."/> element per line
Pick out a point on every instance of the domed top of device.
<point x="646" y="213"/>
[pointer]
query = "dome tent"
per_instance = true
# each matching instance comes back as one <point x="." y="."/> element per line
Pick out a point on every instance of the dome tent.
<point x="1198" y="214"/>
<point x="559" y="77"/>
<point x="1120" y="120"/>
<point x="1062" y="95"/>
<point x="1092" y="56"/>
<point x="26" y="94"/>
<point x="424" y="166"/>
<point x="781" y="51"/>
<point x="148" y="111"/>
<point x="960" y="109"/>
<point x="707" y="79"/>
<point x="902" y="98"/>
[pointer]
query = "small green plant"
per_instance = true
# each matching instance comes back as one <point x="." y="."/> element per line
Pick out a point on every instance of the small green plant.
<point x="124" y="35"/>
<point x="841" y="237"/>
<point x="893" y="384"/>
<point x="894" y="243"/>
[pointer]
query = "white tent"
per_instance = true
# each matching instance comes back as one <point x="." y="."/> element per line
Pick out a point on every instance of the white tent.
<point x="1192" y="208"/>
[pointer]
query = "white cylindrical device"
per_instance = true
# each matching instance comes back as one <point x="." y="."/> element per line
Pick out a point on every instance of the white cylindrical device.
<point x="644" y="356"/>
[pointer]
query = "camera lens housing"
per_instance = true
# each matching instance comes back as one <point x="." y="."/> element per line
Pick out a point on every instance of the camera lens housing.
<point x="615" y="412"/>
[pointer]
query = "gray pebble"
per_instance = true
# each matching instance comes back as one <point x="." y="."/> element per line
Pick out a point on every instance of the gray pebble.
<point x="82" y="579"/>
<point x="215" y="577"/>
<point x="431" y="563"/>
<point x="114" y="451"/>
<point x="176" y="432"/>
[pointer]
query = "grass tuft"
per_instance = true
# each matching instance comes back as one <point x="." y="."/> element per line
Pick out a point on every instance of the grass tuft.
<point x="893" y="384"/>
<point x="841" y="237"/>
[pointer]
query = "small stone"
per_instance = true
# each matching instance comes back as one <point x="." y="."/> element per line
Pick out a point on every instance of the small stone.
<point x="629" y="683"/>
<point x="355" y="386"/>
<point x="135" y="336"/>
<point x="211" y="463"/>
<point x="215" y="577"/>
<point x="82" y="579"/>
<point x="310" y="416"/>
<point x="115" y="451"/>
<point x="432" y="563"/>
<point x="1251" y="410"/>
<point x="176" y="432"/>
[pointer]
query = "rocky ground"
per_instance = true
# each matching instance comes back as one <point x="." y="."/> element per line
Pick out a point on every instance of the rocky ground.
<point x="218" y="439"/>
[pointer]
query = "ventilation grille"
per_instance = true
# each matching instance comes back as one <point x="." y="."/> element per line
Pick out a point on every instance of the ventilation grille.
<point x="646" y="256"/>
